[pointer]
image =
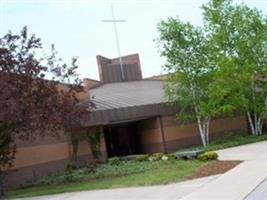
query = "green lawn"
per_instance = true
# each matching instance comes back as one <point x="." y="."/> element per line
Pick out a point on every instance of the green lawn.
<point x="124" y="175"/>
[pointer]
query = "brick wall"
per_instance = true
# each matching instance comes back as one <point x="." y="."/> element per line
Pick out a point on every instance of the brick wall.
<point x="46" y="155"/>
<point x="43" y="156"/>
<point x="179" y="135"/>
<point x="150" y="136"/>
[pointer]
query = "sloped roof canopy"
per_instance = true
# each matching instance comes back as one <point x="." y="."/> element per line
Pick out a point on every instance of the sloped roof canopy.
<point x="128" y="101"/>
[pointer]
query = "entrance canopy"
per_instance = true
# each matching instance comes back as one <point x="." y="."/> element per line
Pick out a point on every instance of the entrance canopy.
<point x="128" y="101"/>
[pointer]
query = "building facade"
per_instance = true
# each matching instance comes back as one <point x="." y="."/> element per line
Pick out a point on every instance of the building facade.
<point x="132" y="116"/>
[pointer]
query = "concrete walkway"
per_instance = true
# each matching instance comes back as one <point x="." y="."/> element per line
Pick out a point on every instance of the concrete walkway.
<point x="233" y="185"/>
<point x="162" y="192"/>
<point x="255" y="151"/>
<point x="247" y="180"/>
<point x="259" y="193"/>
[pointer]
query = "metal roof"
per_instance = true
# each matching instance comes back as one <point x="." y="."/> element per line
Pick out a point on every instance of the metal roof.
<point x="121" y="102"/>
<point x="127" y="94"/>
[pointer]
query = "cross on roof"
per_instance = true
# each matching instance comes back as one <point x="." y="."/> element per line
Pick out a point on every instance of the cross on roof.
<point x="114" y="21"/>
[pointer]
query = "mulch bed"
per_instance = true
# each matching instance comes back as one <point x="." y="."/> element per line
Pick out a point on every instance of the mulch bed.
<point x="216" y="167"/>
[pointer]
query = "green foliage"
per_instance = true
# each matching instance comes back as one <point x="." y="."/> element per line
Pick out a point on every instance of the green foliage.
<point x="239" y="34"/>
<point x="141" y="158"/>
<point x="114" y="161"/>
<point x="218" y="68"/>
<point x="100" y="171"/>
<point x="94" y="143"/>
<point x="7" y="154"/>
<point x="7" y="149"/>
<point x="69" y="170"/>
<point x="155" y="157"/>
<point x="191" y="67"/>
<point x="207" y="156"/>
<point x="90" y="168"/>
<point x="75" y="145"/>
<point x="171" y="156"/>
<point x="111" y="176"/>
<point x="70" y="167"/>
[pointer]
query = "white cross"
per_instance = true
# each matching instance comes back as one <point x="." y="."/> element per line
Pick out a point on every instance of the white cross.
<point x="114" y="21"/>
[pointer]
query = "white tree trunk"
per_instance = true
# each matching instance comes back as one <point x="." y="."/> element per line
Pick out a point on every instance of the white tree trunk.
<point x="203" y="123"/>
<point x="256" y="119"/>
<point x="203" y="126"/>
<point x="251" y="125"/>
<point x="256" y="122"/>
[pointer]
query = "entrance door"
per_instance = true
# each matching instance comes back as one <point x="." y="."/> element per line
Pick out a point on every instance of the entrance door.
<point x="121" y="140"/>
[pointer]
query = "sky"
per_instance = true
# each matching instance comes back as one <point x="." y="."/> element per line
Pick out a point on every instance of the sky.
<point x="76" y="27"/>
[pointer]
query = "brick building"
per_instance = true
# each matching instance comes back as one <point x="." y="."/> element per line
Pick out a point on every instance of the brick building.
<point x="133" y="117"/>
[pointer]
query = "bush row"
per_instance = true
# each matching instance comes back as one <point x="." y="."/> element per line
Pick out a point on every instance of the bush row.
<point x="206" y="156"/>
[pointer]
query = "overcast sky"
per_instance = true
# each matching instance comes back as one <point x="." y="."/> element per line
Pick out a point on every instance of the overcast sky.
<point x="76" y="28"/>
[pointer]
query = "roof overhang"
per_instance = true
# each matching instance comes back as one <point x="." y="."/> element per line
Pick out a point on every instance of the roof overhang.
<point x="128" y="114"/>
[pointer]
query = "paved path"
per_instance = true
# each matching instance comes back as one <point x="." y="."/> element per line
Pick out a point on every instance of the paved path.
<point x="236" y="184"/>
<point x="259" y="193"/>
<point x="255" y="151"/>
<point x="163" y="192"/>
<point x="247" y="180"/>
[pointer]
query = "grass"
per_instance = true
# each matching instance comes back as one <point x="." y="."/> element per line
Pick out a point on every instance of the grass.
<point x="138" y="174"/>
<point x="230" y="141"/>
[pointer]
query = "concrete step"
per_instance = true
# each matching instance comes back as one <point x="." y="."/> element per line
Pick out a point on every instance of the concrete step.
<point x="235" y="184"/>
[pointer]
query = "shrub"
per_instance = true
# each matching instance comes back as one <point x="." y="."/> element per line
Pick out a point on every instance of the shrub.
<point x="114" y="161"/>
<point x="164" y="158"/>
<point x="69" y="169"/>
<point x="142" y="158"/>
<point x="156" y="157"/>
<point x="171" y="156"/>
<point x="151" y="158"/>
<point x="90" y="168"/>
<point x="209" y="155"/>
<point x="93" y="140"/>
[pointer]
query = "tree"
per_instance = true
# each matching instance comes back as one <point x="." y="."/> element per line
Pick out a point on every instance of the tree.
<point x="38" y="93"/>
<point x="240" y="39"/>
<point x="191" y="72"/>
<point x="93" y="140"/>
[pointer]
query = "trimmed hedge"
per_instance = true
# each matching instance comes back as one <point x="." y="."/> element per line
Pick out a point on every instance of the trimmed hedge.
<point x="209" y="155"/>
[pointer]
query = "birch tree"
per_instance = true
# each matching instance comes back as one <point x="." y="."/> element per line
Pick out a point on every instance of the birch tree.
<point x="191" y="72"/>
<point x="239" y="35"/>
